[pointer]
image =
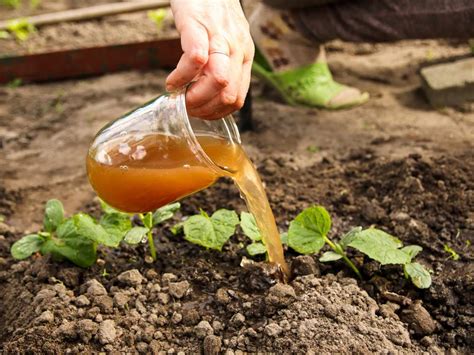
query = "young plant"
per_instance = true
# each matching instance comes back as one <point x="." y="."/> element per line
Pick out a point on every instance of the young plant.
<point x="308" y="234"/>
<point x="210" y="232"/>
<point x="149" y="220"/>
<point x="62" y="238"/>
<point x="250" y="229"/>
<point x="14" y="4"/>
<point x="77" y="238"/>
<point x="158" y="17"/>
<point x="21" y="28"/>
<point x="452" y="253"/>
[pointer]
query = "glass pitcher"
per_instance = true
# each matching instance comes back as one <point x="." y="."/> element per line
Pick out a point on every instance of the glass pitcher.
<point x="156" y="154"/>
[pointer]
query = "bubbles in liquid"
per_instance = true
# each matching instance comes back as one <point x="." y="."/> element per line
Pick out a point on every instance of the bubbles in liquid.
<point x="186" y="166"/>
<point x="124" y="148"/>
<point x="103" y="158"/>
<point x="139" y="153"/>
<point x="124" y="167"/>
<point x="123" y="133"/>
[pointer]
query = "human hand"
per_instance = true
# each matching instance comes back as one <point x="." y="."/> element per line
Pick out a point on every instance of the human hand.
<point x="218" y="53"/>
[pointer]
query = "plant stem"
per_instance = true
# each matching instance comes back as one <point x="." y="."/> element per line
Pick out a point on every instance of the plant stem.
<point x="151" y="243"/>
<point x="344" y="256"/>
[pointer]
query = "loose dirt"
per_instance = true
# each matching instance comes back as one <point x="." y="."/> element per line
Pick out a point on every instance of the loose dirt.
<point x="394" y="162"/>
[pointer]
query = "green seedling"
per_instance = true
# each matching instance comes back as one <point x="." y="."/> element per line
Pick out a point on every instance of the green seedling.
<point x="250" y="229"/>
<point x="62" y="238"/>
<point x="21" y="28"/>
<point x="452" y="253"/>
<point x="210" y="232"/>
<point x="308" y="233"/>
<point x="34" y="3"/>
<point x="15" y="83"/>
<point x="158" y="17"/>
<point x="76" y="238"/>
<point x="14" y="4"/>
<point x="149" y="220"/>
<point x="4" y="34"/>
<point x="312" y="149"/>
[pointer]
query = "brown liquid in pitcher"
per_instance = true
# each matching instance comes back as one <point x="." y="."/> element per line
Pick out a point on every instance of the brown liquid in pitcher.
<point x="143" y="174"/>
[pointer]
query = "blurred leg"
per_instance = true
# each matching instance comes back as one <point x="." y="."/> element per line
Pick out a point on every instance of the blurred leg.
<point x="294" y="64"/>
<point x="388" y="20"/>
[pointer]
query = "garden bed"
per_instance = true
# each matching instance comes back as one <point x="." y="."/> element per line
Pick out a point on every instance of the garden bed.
<point x="394" y="163"/>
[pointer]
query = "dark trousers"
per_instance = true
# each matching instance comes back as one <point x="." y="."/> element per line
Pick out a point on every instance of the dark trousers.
<point x="382" y="20"/>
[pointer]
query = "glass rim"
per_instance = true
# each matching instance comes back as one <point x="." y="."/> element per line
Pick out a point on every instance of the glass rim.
<point x="233" y="134"/>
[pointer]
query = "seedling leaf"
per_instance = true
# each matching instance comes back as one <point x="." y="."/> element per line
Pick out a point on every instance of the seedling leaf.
<point x="116" y="225"/>
<point x="69" y="244"/>
<point x="157" y="16"/>
<point x="211" y="232"/>
<point x="307" y="231"/>
<point x="26" y="246"/>
<point x="249" y="226"/>
<point x="452" y="252"/>
<point x="330" y="256"/>
<point x="256" y="249"/>
<point x="21" y="28"/>
<point x="418" y="274"/>
<point x="110" y="210"/>
<point x="349" y="236"/>
<point x="284" y="238"/>
<point x="165" y="212"/>
<point x="88" y="228"/>
<point x="380" y="246"/>
<point x="412" y="250"/>
<point x="177" y="228"/>
<point x="135" y="235"/>
<point x="147" y="220"/>
<point x="53" y="215"/>
<point x="78" y="249"/>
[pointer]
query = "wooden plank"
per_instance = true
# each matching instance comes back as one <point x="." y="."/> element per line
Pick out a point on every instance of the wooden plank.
<point x="88" y="13"/>
<point x="84" y="62"/>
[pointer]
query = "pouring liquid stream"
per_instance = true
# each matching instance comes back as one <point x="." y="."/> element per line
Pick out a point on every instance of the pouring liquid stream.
<point x="141" y="174"/>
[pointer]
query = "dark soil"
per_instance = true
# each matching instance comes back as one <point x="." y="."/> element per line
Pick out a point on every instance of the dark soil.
<point x="395" y="163"/>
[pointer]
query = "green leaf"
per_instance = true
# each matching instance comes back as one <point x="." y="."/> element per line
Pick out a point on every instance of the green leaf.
<point x="135" y="235"/>
<point x="307" y="231"/>
<point x="165" y="212"/>
<point x="412" y="250"/>
<point x="418" y="274"/>
<point x="107" y="209"/>
<point x="53" y="215"/>
<point x="380" y="246"/>
<point x="329" y="256"/>
<point x="157" y="16"/>
<point x="76" y="248"/>
<point x="21" y="28"/>
<point x="147" y="220"/>
<point x="452" y="252"/>
<point x="177" y="228"/>
<point x="26" y="246"/>
<point x="87" y="227"/>
<point x="349" y="236"/>
<point x="256" y="249"/>
<point x="116" y="225"/>
<point x="249" y="226"/>
<point x="284" y="238"/>
<point x="211" y="232"/>
<point x="70" y="244"/>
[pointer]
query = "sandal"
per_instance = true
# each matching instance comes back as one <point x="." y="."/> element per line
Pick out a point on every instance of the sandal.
<point x="310" y="85"/>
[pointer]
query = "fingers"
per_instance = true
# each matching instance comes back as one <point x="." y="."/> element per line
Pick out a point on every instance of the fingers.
<point x="224" y="104"/>
<point x="195" y="45"/>
<point x="216" y="75"/>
